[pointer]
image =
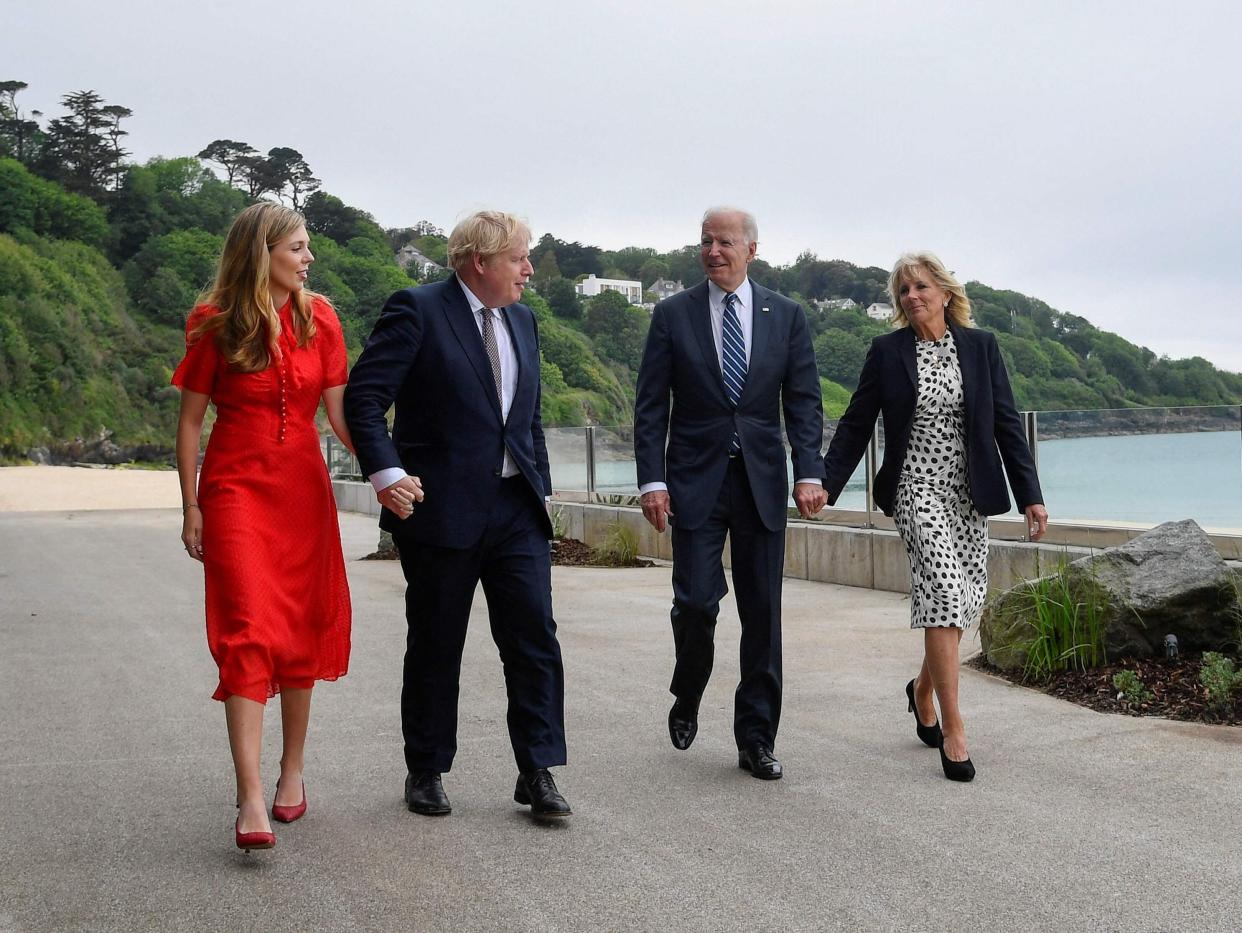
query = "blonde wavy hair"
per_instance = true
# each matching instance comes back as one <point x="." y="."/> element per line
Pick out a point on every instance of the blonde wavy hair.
<point x="487" y="233"/>
<point x="958" y="311"/>
<point x="247" y="329"/>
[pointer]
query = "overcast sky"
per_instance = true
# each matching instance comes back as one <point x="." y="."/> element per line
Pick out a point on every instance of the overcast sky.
<point x="1085" y="153"/>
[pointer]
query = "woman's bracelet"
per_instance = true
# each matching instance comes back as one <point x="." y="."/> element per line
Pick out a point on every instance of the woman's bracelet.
<point x="192" y="505"/>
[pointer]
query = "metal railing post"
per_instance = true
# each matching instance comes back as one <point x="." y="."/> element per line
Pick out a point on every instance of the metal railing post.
<point x="590" y="462"/>
<point x="1030" y="422"/>
<point x="327" y="454"/>
<point x="872" y="456"/>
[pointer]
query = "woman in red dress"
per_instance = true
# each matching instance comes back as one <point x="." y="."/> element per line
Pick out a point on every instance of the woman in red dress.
<point x="261" y="517"/>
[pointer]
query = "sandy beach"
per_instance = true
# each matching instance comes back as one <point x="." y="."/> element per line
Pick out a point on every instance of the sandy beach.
<point x="78" y="489"/>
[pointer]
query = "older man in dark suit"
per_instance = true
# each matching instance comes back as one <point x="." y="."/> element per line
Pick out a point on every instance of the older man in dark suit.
<point x="460" y="359"/>
<point x="722" y="360"/>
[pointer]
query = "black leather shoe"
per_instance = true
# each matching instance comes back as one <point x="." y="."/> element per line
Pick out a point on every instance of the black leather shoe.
<point x="956" y="770"/>
<point x="931" y="736"/>
<point x="683" y="723"/>
<point x="537" y="789"/>
<point x="425" y="794"/>
<point x="760" y="762"/>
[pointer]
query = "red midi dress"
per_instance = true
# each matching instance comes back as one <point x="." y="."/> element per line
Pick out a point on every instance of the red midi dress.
<point x="278" y="611"/>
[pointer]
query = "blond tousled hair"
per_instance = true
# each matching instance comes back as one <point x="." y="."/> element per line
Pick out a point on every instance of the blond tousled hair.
<point x="487" y="234"/>
<point x="247" y="329"/>
<point x="958" y="311"/>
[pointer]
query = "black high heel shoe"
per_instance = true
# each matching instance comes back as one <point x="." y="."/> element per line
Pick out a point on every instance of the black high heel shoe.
<point x="956" y="770"/>
<point x="931" y="736"/>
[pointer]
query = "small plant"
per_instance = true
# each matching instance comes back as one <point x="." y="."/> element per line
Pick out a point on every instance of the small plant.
<point x="1220" y="678"/>
<point x="1067" y="622"/>
<point x="620" y="544"/>
<point x="557" y="517"/>
<point x="1128" y="684"/>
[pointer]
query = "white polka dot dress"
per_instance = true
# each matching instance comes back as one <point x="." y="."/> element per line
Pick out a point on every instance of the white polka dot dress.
<point x="945" y="537"/>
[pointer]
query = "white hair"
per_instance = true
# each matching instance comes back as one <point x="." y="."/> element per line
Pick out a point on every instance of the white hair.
<point x="750" y="226"/>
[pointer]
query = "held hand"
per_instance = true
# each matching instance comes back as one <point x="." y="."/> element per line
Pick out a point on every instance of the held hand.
<point x="192" y="532"/>
<point x="1036" y="521"/>
<point x="399" y="498"/>
<point x="655" y="509"/>
<point x="809" y="498"/>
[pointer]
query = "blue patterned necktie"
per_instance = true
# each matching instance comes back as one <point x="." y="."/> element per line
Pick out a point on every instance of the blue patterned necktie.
<point x="733" y="359"/>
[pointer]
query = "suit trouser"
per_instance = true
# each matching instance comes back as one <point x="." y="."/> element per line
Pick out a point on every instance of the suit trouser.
<point x="513" y="562"/>
<point x="758" y="559"/>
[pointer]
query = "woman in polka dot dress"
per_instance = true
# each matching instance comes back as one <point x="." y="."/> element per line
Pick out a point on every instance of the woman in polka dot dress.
<point x="950" y="424"/>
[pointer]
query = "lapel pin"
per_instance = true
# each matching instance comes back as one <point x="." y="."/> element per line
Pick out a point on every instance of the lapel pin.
<point x="765" y="310"/>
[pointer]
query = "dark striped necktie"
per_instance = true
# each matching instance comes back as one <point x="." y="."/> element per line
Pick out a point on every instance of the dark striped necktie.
<point x="493" y="352"/>
<point x="733" y="358"/>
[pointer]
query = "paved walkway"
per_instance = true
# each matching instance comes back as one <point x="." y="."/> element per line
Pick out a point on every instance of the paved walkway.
<point x="116" y="792"/>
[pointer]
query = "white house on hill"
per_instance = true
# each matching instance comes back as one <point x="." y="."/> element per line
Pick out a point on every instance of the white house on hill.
<point x="591" y="286"/>
<point x="663" y="288"/>
<point x="880" y="312"/>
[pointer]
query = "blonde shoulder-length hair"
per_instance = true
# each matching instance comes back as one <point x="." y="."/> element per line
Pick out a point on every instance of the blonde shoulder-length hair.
<point x="247" y="327"/>
<point x="958" y="311"/>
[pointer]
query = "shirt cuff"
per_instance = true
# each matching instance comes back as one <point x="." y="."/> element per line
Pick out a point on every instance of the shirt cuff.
<point x="382" y="479"/>
<point x="815" y="480"/>
<point x="651" y="487"/>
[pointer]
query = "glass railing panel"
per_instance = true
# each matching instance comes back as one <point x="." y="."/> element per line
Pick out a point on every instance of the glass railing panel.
<point x="567" y="458"/>
<point x="1143" y="465"/>
<point x="616" y="474"/>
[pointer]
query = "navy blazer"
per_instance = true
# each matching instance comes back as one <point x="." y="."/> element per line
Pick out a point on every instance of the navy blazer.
<point x="681" y="398"/>
<point x="889" y="384"/>
<point x="426" y="355"/>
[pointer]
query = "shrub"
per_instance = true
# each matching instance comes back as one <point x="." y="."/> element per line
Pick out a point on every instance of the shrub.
<point x="1220" y="678"/>
<point x="1128" y="684"/>
<point x="620" y="544"/>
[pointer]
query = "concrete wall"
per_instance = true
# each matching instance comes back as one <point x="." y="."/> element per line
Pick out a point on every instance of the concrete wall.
<point x="820" y="551"/>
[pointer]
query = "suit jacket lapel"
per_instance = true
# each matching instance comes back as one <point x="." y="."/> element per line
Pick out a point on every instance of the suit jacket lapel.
<point x="701" y="324"/>
<point x="963" y="339"/>
<point x="909" y="356"/>
<point x="461" y="320"/>
<point x="760" y="331"/>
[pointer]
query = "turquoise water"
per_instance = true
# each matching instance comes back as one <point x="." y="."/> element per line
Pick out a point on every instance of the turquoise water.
<point x="1145" y="478"/>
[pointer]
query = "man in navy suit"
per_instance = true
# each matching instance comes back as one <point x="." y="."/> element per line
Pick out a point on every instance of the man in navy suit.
<point x="463" y="481"/>
<point x="722" y="360"/>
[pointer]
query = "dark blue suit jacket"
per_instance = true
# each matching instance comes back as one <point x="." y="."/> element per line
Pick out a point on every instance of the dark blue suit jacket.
<point x="425" y="355"/>
<point x="681" y="398"/>
<point x="889" y="384"/>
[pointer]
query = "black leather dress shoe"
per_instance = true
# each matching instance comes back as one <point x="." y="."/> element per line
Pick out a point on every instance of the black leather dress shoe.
<point x="425" y="794"/>
<point x="537" y="789"/>
<point x="760" y="762"/>
<point x="683" y="723"/>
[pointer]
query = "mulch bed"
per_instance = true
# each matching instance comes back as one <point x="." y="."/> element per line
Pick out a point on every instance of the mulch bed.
<point x="1175" y="689"/>
<point x="566" y="552"/>
<point x="570" y="552"/>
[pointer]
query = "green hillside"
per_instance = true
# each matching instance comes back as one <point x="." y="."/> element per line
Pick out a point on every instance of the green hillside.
<point x="101" y="260"/>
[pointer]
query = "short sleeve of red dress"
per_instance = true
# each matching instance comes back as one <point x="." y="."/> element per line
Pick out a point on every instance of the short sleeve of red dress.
<point x="331" y="341"/>
<point x="197" y="370"/>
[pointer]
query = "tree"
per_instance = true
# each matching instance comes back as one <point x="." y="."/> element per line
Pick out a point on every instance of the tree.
<point x="18" y="135"/>
<point x="617" y="328"/>
<point x="839" y="356"/>
<point x="77" y="152"/>
<point x="229" y="155"/>
<point x="651" y="270"/>
<point x="563" y="299"/>
<point x="293" y="175"/>
<point x="115" y="114"/>
<point x="329" y="216"/>
<point x="547" y="270"/>
<point x="258" y="176"/>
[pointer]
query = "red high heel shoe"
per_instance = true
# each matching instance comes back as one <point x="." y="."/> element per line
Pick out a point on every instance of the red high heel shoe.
<point x="285" y="814"/>
<point x="248" y="841"/>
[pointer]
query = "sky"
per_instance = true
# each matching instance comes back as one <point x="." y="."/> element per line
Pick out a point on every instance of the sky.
<point x="1085" y="153"/>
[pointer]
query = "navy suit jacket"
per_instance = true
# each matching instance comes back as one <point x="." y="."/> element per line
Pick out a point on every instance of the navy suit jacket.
<point x="889" y="384"/>
<point x="681" y="399"/>
<point x="426" y="355"/>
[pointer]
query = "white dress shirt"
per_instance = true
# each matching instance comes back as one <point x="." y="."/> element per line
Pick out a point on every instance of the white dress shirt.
<point x="746" y="318"/>
<point x="382" y="479"/>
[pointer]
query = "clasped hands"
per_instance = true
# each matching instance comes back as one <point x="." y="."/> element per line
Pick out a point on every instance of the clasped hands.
<point x="808" y="497"/>
<point x="399" y="498"/>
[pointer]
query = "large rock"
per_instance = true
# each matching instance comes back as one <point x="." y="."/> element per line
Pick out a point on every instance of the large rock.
<point x="1169" y="580"/>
